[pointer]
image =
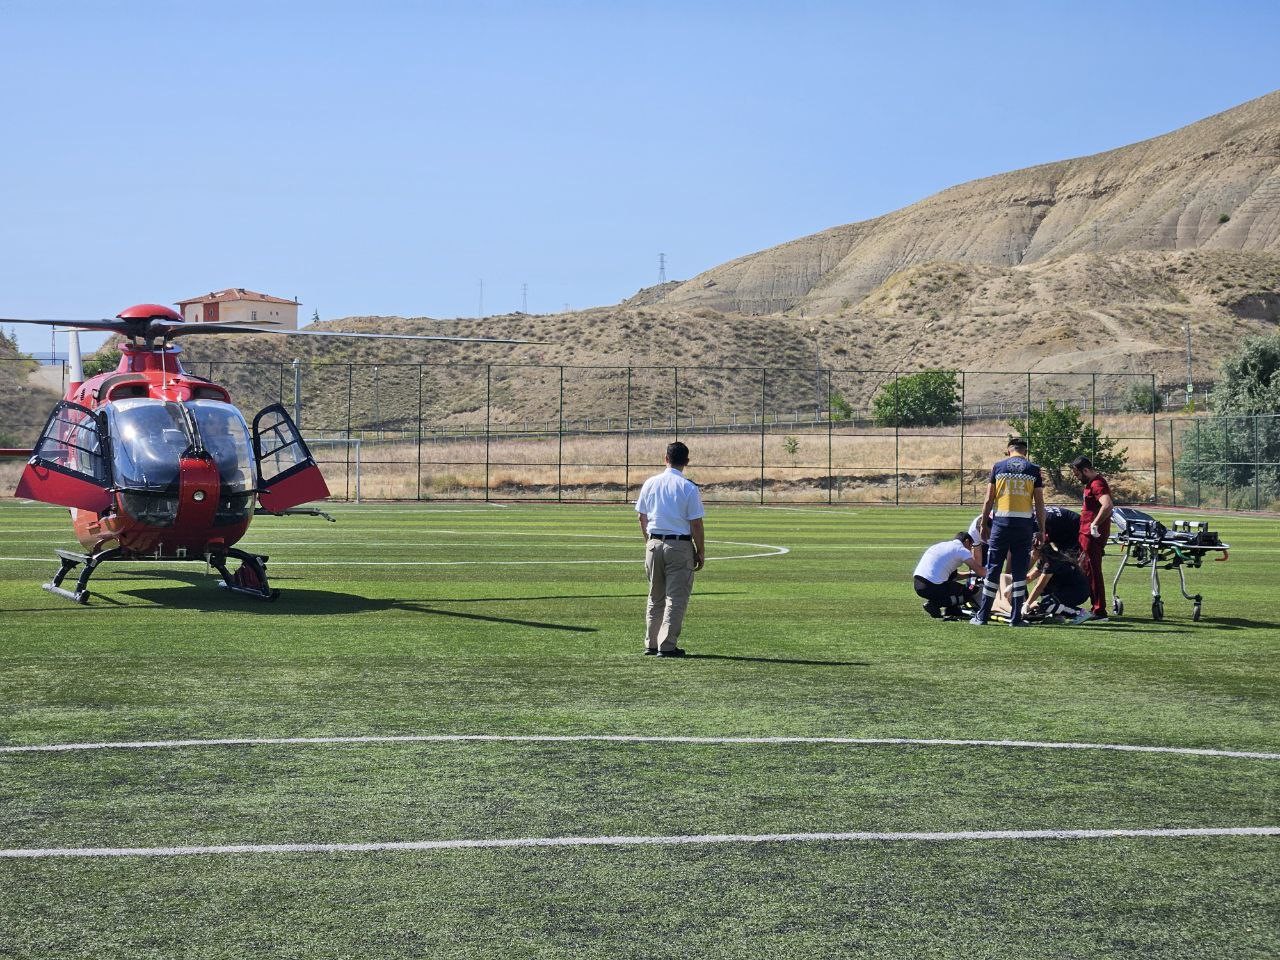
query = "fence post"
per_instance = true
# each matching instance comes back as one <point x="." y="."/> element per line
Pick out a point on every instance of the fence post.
<point x="764" y="400"/>
<point x="560" y="443"/>
<point x="831" y="479"/>
<point x="1173" y="468"/>
<point x="1155" y="452"/>
<point x="297" y="393"/>
<point x="675" y="421"/>
<point x="419" y="468"/>
<point x="1093" y="410"/>
<point x="1199" y="471"/>
<point x="897" y="432"/>
<point x="488" y="396"/>
<point x="962" y="438"/>
<point x="626" y="456"/>
<point x="1257" y="456"/>
<point x="350" y="375"/>
<point x="1226" y="474"/>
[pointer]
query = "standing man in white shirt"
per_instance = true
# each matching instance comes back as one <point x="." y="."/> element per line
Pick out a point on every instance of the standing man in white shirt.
<point x="671" y="515"/>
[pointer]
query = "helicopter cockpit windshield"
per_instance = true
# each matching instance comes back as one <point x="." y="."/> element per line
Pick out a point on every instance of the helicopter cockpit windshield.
<point x="149" y="438"/>
<point x="225" y="435"/>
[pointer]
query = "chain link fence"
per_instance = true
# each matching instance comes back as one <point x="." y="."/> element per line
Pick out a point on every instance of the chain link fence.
<point x="1228" y="463"/>
<point x="565" y="433"/>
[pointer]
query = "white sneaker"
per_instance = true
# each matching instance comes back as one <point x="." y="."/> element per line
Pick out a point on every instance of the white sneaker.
<point x="977" y="621"/>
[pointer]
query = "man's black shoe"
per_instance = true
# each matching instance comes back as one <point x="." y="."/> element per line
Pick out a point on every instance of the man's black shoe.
<point x="673" y="652"/>
<point x="650" y="651"/>
<point x="932" y="609"/>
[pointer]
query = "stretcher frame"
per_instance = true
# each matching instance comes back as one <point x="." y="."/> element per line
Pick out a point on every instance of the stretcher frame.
<point x="1146" y="542"/>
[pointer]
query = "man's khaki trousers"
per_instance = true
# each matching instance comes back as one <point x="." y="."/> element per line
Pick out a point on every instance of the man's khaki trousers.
<point x="669" y="564"/>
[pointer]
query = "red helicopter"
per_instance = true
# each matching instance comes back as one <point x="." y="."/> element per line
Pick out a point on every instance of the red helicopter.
<point x="156" y="464"/>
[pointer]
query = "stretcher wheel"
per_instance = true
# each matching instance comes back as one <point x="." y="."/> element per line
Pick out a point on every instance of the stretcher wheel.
<point x="1195" y="612"/>
<point x="1117" y="607"/>
<point x="1157" y="610"/>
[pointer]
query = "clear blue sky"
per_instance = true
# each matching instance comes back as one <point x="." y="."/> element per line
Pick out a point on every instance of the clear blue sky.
<point x="383" y="157"/>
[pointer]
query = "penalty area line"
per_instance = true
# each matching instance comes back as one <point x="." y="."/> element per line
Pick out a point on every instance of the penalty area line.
<point x="655" y="841"/>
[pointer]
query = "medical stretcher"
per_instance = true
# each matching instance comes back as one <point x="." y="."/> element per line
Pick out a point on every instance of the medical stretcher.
<point x="1146" y="542"/>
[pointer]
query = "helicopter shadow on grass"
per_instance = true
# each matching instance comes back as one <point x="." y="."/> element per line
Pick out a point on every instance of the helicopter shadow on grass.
<point x="201" y="593"/>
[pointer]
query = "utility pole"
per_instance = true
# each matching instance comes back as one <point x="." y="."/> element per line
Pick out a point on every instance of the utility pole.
<point x="524" y="298"/>
<point x="480" y="312"/>
<point x="662" y="268"/>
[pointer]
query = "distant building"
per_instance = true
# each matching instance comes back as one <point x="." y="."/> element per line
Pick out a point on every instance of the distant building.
<point x="238" y="305"/>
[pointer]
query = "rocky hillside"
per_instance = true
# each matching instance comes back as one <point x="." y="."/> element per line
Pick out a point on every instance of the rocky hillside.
<point x="1214" y="185"/>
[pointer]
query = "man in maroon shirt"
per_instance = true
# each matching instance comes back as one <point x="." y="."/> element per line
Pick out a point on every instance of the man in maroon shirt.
<point x="1095" y="527"/>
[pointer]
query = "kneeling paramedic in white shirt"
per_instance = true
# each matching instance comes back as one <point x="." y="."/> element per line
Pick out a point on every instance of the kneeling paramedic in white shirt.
<point x="932" y="579"/>
<point x="671" y="514"/>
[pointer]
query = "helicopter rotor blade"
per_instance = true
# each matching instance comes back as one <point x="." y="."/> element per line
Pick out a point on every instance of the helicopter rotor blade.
<point x="114" y="325"/>
<point x="171" y="330"/>
<point x="152" y="328"/>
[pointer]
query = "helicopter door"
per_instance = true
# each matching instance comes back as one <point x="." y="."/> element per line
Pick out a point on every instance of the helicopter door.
<point x="69" y="464"/>
<point x="287" y="475"/>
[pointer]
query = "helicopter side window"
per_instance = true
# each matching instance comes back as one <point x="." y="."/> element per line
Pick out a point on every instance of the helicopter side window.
<point x="149" y="438"/>
<point x="225" y="435"/>
<point x="280" y="449"/>
<point x="71" y="441"/>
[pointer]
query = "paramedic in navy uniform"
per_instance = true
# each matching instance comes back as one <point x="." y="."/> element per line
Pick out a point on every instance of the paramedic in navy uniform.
<point x="671" y="514"/>
<point x="1015" y="507"/>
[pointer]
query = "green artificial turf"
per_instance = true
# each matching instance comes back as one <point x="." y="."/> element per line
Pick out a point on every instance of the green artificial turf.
<point x="490" y="629"/>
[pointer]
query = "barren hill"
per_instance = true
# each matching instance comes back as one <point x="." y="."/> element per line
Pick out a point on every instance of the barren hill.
<point x="1092" y="265"/>
<point x="1213" y="185"/>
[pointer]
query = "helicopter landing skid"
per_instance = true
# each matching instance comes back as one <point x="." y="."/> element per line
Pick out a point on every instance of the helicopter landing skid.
<point x="70" y="560"/>
<point x="250" y="579"/>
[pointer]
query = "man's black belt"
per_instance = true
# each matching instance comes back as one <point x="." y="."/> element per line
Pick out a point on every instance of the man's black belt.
<point x="670" y="536"/>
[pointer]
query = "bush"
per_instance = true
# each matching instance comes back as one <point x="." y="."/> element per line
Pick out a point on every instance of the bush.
<point x="1058" y="434"/>
<point x="840" y="408"/>
<point x="928" y="399"/>
<point x="106" y="359"/>
<point x="792" y="446"/>
<point x="1143" y="398"/>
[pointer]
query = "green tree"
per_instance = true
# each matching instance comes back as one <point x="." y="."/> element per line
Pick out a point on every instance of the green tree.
<point x="927" y="399"/>
<point x="1249" y="381"/>
<point x="106" y="359"/>
<point x="1233" y="458"/>
<point x="840" y="408"/>
<point x="1143" y="398"/>
<point x="1059" y="434"/>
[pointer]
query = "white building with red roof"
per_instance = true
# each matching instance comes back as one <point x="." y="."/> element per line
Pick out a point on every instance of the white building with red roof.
<point x="238" y="305"/>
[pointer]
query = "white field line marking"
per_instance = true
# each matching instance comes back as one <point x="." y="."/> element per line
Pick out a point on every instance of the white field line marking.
<point x="833" y="511"/>
<point x="625" y="738"/>
<point x="773" y="551"/>
<point x="623" y="841"/>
